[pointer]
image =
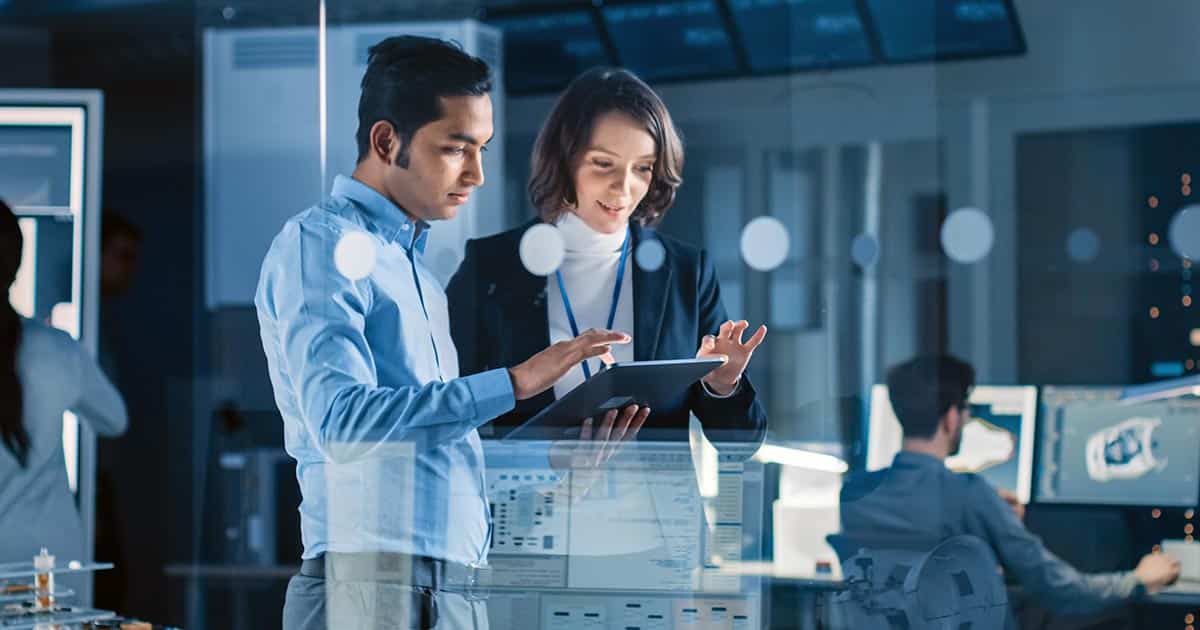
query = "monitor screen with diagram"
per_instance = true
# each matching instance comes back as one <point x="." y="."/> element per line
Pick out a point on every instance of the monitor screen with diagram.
<point x="1094" y="449"/>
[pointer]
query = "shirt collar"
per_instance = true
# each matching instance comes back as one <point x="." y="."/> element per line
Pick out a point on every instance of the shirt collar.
<point x="912" y="458"/>
<point x="392" y="223"/>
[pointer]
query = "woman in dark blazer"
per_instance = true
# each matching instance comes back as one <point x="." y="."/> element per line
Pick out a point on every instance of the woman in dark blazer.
<point x="605" y="168"/>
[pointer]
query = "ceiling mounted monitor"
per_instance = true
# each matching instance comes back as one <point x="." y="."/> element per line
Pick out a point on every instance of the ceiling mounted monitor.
<point x="544" y="51"/>
<point x="927" y="30"/>
<point x="792" y="35"/>
<point x="681" y="39"/>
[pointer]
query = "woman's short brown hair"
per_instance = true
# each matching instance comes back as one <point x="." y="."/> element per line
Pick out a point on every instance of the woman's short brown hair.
<point x="568" y="130"/>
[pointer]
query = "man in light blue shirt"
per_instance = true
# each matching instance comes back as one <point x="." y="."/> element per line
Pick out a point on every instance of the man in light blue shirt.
<point x="394" y="515"/>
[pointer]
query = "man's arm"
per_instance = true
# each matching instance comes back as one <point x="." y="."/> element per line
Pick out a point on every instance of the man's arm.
<point x="320" y="320"/>
<point x="1055" y="584"/>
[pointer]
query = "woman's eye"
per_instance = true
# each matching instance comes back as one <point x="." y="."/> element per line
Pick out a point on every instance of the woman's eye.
<point x="602" y="163"/>
<point x="455" y="150"/>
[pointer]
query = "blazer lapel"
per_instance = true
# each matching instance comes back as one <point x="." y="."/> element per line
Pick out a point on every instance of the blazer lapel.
<point x="649" y="301"/>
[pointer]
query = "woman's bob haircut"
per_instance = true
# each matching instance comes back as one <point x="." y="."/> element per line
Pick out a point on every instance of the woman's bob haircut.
<point x="568" y="130"/>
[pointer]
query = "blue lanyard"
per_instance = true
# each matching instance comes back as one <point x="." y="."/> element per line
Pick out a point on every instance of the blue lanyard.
<point x="612" y="311"/>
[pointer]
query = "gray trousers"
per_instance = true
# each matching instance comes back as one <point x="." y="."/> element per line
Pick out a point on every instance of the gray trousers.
<point x="320" y="604"/>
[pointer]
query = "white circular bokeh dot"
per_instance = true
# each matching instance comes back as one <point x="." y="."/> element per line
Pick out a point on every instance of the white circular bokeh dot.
<point x="968" y="235"/>
<point x="354" y="255"/>
<point x="1184" y="232"/>
<point x="864" y="250"/>
<point x="765" y="243"/>
<point x="650" y="255"/>
<point x="542" y="249"/>
<point x="1083" y="245"/>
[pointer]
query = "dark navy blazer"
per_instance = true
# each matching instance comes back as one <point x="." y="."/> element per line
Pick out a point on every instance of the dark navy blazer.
<point x="498" y="318"/>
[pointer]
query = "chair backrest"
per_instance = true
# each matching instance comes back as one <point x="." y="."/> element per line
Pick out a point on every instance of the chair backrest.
<point x="913" y="583"/>
<point x="847" y="547"/>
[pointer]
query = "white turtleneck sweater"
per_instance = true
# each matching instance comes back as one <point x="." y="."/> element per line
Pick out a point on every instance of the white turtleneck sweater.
<point x="589" y="269"/>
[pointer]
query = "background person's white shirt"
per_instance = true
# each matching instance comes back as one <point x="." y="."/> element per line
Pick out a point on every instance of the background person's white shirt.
<point x="37" y="508"/>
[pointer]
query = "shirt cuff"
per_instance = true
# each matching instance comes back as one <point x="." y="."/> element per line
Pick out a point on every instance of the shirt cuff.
<point x="1132" y="587"/>
<point x="736" y="390"/>
<point x="493" y="393"/>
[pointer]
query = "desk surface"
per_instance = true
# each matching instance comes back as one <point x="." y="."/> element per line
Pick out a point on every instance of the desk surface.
<point x="781" y="575"/>
<point x="1182" y="594"/>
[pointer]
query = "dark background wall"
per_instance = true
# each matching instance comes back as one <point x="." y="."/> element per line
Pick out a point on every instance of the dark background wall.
<point x="145" y="63"/>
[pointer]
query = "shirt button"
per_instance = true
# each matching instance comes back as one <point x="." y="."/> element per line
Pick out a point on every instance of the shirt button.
<point x="404" y="227"/>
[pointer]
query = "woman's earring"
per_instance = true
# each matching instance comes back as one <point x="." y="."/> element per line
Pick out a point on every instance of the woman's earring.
<point x="567" y="204"/>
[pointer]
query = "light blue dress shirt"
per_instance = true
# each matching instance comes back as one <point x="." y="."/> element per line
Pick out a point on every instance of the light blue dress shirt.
<point x="365" y="374"/>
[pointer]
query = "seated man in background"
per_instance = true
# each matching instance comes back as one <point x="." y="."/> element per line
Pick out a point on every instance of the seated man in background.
<point x="918" y="498"/>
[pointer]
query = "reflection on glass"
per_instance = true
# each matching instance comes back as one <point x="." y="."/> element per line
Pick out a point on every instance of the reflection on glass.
<point x="723" y="189"/>
<point x="793" y="198"/>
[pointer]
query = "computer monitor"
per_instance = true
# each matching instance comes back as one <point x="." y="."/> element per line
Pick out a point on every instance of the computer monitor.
<point x="1094" y="449"/>
<point x="997" y="443"/>
<point x="637" y="545"/>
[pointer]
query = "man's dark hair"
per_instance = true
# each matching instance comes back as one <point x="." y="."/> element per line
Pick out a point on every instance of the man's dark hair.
<point x="925" y="389"/>
<point x="406" y="76"/>
<point x="113" y="224"/>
